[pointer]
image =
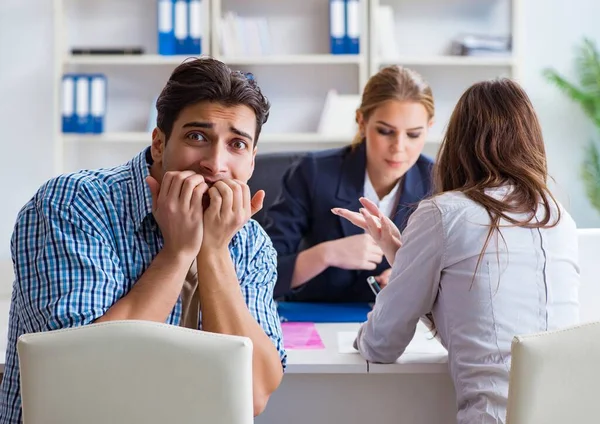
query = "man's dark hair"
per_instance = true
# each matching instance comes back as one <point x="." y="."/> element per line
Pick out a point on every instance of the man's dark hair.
<point x="209" y="80"/>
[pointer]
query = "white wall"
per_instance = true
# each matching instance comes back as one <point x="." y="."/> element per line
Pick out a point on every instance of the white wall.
<point x="553" y="27"/>
<point x="25" y="106"/>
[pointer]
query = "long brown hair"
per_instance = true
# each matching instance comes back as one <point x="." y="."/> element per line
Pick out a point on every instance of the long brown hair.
<point x="494" y="139"/>
<point x="394" y="83"/>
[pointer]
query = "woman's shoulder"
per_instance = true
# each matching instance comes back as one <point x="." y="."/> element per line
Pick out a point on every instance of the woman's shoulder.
<point x="328" y="155"/>
<point x="448" y="201"/>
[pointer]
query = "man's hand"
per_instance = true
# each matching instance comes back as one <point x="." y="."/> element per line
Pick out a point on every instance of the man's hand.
<point x="354" y="252"/>
<point x="230" y="209"/>
<point x="383" y="278"/>
<point x="177" y="208"/>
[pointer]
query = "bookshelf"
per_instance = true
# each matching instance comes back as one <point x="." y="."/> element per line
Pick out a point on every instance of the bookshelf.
<point x="424" y="30"/>
<point x="296" y="74"/>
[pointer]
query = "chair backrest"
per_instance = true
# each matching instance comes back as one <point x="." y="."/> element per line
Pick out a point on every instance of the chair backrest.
<point x="268" y="175"/>
<point x="589" y="263"/>
<point x="135" y="372"/>
<point x="554" y="376"/>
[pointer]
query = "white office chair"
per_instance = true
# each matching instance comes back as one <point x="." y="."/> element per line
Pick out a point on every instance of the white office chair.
<point x="589" y="293"/>
<point x="135" y="372"/>
<point x="554" y="377"/>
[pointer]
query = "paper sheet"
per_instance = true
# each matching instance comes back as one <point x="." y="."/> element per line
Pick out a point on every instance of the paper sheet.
<point x="345" y="341"/>
<point x="422" y="343"/>
<point x="301" y="335"/>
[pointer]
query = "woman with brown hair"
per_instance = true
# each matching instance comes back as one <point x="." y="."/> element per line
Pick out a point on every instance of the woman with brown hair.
<point x="490" y="256"/>
<point x="321" y="257"/>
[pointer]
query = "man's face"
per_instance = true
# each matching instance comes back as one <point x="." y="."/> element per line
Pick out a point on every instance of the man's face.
<point x="211" y="139"/>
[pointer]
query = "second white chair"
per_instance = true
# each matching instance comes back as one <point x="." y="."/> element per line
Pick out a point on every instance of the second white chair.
<point x="554" y="377"/>
<point x="135" y="372"/>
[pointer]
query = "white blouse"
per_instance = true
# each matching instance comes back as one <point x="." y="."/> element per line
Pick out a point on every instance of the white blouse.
<point x="387" y="205"/>
<point x="527" y="281"/>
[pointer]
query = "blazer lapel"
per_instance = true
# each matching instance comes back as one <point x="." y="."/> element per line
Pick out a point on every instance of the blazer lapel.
<point x="351" y="186"/>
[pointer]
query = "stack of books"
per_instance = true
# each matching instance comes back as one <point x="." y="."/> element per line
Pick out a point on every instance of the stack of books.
<point x="481" y="45"/>
<point x="244" y="36"/>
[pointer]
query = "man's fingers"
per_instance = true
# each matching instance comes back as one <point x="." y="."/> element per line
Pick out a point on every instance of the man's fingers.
<point x="226" y="195"/>
<point x="172" y="184"/>
<point x="154" y="187"/>
<point x="237" y="199"/>
<point x="197" y="197"/>
<point x="257" y="201"/>
<point x="216" y="201"/>
<point x="189" y="186"/>
<point x="247" y="198"/>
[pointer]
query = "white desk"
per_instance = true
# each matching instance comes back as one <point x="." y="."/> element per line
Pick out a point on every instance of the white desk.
<point x="325" y="386"/>
<point x="328" y="360"/>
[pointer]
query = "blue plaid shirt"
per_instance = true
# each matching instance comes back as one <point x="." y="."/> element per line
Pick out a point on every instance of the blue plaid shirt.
<point x="83" y="241"/>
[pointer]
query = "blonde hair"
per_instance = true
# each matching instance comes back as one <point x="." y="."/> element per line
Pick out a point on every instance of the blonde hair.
<point x="394" y="83"/>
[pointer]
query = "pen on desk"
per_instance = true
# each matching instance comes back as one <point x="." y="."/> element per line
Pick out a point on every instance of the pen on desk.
<point x="375" y="288"/>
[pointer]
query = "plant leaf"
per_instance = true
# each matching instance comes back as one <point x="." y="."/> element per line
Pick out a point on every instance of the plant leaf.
<point x="590" y="104"/>
<point x="590" y="173"/>
<point x="587" y="63"/>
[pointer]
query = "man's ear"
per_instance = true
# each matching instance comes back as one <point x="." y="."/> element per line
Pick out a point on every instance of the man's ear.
<point x="159" y="141"/>
<point x="253" y="160"/>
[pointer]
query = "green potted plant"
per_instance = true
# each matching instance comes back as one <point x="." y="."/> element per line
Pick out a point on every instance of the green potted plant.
<point x="587" y="94"/>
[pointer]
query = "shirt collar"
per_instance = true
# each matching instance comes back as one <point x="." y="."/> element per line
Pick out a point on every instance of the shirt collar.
<point x="141" y="202"/>
<point x="371" y="194"/>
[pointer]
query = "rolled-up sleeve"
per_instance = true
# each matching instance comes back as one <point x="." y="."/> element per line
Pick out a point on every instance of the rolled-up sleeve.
<point x="412" y="288"/>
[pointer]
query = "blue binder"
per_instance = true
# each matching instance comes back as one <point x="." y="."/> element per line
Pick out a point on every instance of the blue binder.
<point x="97" y="102"/>
<point x="337" y="26"/>
<point x="69" y="119"/>
<point x="166" y="23"/>
<point x="323" y="312"/>
<point x="352" y="36"/>
<point x="181" y="26"/>
<point x="195" y="19"/>
<point x="82" y="104"/>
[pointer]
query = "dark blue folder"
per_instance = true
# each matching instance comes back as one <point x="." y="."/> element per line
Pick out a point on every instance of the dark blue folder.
<point x="322" y="312"/>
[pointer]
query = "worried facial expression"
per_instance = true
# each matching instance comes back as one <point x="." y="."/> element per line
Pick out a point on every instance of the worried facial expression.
<point x="211" y="139"/>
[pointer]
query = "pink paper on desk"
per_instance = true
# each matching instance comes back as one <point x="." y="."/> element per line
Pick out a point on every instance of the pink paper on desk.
<point x="301" y="335"/>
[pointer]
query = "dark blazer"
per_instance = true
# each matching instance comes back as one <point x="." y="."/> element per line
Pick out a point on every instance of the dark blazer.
<point x="301" y="218"/>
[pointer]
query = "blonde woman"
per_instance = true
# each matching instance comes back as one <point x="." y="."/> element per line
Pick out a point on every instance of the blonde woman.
<point x="321" y="257"/>
<point x="490" y="256"/>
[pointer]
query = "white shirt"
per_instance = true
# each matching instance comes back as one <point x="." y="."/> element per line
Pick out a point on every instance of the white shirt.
<point x="387" y="205"/>
<point x="515" y="291"/>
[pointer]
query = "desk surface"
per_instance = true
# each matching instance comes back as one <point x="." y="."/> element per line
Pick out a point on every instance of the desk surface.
<point x="328" y="360"/>
<point x="315" y="361"/>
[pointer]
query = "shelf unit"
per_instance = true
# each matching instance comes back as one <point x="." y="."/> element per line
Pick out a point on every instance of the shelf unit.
<point x="265" y="138"/>
<point x="424" y="31"/>
<point x="295" y="77"/>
